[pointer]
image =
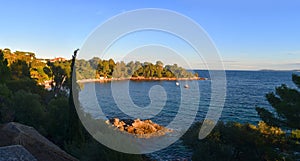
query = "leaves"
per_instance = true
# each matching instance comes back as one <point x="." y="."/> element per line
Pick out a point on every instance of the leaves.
<point x="4" y="70"/>
<point x="286" y="104"/>
<point x="234" y="141"/>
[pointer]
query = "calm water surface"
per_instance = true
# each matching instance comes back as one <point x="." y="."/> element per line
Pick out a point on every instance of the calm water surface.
<point x="245" y="91"/>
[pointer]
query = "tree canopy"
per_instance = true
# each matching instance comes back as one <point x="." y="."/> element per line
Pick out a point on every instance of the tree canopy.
<point x="286" y="104"/>
<point x="4" y="70"/>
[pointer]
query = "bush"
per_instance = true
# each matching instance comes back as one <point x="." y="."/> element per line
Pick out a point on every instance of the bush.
<point x="6" y="112"/>
<point x="234" y="141"/>
<point x="29" y="110"/>
<point x="58" y="119"/>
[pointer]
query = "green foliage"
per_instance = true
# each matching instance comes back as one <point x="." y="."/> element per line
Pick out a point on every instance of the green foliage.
<point x="296" y="134"/>
<point x="94" y="151"/>
<point x="22" y="100"/>
<point x="20" y="70"/>
<point x="26" y="85"/>
<point x="28" y="109"/>
<point x="58" y="119"/>
<point x="38" y="71"/>
<point x="6" y="112"/>
<point x="25" y="64"/>
<point x="111" y="69"/>
<point x="147" y="70"/>
<point x="234" y="141"/>
<point x="60" y="72"/>
<point x="94" y="62"/>
<point x="121" y="70"/>
<point x="84" y="70"/>
<point x="5" y="92"/>
<point x="179" y="72"/>
<point x="13" y="57"/>
<point x="75" y="131"/>
<point x="4" y="70"/>
<point x="286" y="103"/>
<point x="296" y="80"/>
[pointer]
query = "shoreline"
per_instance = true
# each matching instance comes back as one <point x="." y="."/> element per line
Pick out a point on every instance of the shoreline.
<point x="138" y="79"/>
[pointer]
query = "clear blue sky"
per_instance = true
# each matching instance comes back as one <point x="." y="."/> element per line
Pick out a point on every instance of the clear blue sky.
<point x="249" y="35"/>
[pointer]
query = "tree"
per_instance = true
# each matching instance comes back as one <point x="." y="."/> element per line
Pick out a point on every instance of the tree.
<point x="108" y="69"/>
<point x="20" y="70"/>
<point x="4" y="70"/>
<point x="60" y="73"/>
<point x="28" y="109"/>
<point x="94" y="62"/>
<point x="120" y="70"/>
<point x="286" y="104"/>
<point x="58" y="119"/>
<point x="37" y="71"/>
<point x="6" y="112"/>
<point x="112" y="65"/>
<point x="84" y="70"/>
<point x="75" y="133"/>
<point x="235" y="142"/>
<point x="104" y="69"/>
<point x="130" y="68"/>
<point x="159" y="63"/>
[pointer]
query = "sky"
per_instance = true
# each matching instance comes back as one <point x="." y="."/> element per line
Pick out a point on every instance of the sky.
<point x="249" y="35"/>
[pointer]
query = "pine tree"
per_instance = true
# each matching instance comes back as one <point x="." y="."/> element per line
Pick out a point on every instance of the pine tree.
<point x="286" y="104"/>
<point x="76" y="130"/>
<point x="4" y="70"/>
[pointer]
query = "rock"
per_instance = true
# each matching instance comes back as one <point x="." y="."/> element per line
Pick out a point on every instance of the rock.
<point x="121" y="124"/>
<point x="138" y="127"/>
<point x="15" y="153"/>
<point x="41" y="148"/>
<point x="145" y="126"/>
<point x="148" y="121"/>
<point x="157" y="127"/>
<point x="138" y="131"/>
<point x="128" y="121"/>
<point x="130" y="129"/>
<point x="116" y="122"/>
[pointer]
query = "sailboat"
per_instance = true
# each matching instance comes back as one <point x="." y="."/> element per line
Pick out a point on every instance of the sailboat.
<point x="177" y="83"/>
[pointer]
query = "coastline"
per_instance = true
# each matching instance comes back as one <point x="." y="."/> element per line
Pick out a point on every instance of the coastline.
<point x="138" y="79"/>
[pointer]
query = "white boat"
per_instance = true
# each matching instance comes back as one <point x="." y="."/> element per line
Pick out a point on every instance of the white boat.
<point x="186" y="86"/>
<point x="177" y="83"/>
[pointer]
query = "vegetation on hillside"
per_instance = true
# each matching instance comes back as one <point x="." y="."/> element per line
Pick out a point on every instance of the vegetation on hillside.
<point x="51" y="112"/>
<point x="111" y="69"/>
<point x="43" y="70"/>
<point x="234" y="141"/>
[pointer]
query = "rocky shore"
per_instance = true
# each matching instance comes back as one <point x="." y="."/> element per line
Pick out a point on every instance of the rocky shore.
<point x="139" y="128"/>
<point x="138" y="79"/>
<point x="21" y="142"/>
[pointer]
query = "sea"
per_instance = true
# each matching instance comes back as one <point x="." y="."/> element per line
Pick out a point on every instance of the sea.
<point x="244" y="91"/>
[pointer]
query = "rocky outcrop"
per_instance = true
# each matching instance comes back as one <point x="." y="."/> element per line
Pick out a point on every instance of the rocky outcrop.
<point x="42" y="149"/>
<point x="140" y="128"/>
<point x="15" y="153"/>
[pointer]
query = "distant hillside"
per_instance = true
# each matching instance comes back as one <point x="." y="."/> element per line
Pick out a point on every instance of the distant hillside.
<point x="111" y="69"/>
<point x="43" y="70"/>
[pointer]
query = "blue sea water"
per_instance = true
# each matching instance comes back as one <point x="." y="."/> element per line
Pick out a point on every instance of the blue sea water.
<point x="244" y="91"/>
